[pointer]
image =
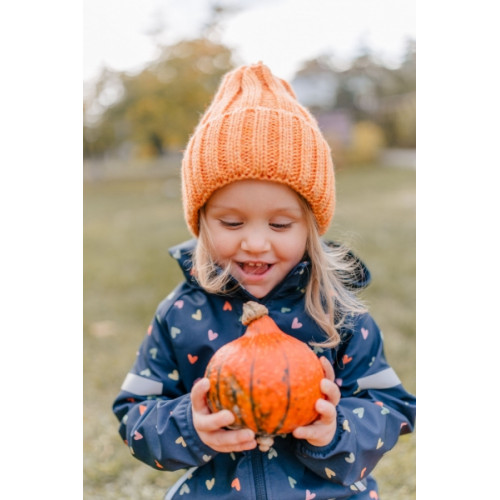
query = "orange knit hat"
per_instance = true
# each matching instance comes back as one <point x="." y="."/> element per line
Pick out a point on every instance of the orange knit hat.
<point x="256" y="129"/>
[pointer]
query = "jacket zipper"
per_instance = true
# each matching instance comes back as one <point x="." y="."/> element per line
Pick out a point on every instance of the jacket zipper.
<point x="258" y="472"/>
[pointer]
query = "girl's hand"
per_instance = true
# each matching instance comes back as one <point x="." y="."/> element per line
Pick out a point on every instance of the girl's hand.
<point x="322" y="430"/>
<point x="210" y="426"/>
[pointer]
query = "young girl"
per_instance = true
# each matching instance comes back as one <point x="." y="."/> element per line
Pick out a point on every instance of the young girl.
<point x="258" y="193"/>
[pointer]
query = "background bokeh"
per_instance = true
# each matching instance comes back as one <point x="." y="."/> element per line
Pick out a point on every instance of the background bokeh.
<point x="355" y="70"/>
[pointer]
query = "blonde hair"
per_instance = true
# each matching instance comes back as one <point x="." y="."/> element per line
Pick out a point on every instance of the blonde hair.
<point x="329" y="298"/>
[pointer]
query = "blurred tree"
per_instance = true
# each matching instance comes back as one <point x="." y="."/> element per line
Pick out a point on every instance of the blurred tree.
<point x="397" y="112"/>
<point x="156" y="109"/>
<point x="99" y="136"/>
<point x="316" y="84"/>
<point x="366" y="142"/>
<point x="368" y="90"/>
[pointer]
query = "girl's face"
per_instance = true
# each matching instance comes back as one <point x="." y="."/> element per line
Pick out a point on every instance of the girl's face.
<point x="260" y="229"/>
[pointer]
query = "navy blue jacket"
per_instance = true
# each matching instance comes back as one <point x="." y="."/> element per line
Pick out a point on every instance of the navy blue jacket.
<point x="155" y="415"/>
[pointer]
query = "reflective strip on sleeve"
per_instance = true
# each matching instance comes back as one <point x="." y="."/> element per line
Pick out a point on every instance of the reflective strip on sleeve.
<point x="141" y="386"/>
<point x="173" y="490"/>
<point x="360" y="485"/>
<point x="382" y="380"/>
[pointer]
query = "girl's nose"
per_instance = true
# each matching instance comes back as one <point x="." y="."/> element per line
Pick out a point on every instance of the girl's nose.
<point x="255" y="241"/>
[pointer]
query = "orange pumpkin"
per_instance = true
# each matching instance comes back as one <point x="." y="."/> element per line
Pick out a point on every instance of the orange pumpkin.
<point x="269" y="380"/>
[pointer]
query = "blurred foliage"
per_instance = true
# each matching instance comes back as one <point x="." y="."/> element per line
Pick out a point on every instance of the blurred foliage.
<point x="155" y="110"/>
<point x="368" y="91"/>
<point x="366" y="143"/>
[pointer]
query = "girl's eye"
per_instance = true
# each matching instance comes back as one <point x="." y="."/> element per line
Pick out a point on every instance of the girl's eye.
<point x="230" y="224"/>
<point x="284" y="225"/>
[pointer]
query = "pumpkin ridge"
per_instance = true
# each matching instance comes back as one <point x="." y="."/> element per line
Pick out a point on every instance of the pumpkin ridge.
<point x="252" y="400"/>
<point x="217" y="384"/>
<point x="288" y="393"/>
<point x="218" y="369"/>
<point x="236" y="388"/>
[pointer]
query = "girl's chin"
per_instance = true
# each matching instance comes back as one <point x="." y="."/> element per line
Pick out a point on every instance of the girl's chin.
<point x="257" y="291"/>
<point x="258" y="288"/>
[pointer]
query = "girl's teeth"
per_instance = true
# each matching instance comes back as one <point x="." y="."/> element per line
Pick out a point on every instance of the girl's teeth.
<point x="255" y="267"/>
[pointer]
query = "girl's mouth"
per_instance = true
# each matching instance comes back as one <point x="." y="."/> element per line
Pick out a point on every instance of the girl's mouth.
<point x="255" y="268"/>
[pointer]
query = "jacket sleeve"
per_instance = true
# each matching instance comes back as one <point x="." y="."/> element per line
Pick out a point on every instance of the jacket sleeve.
<point x="154" y="407"/>
<point x="373" y="411"/>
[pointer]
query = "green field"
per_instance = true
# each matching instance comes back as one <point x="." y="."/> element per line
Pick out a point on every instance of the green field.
<point x="131" y="220"/>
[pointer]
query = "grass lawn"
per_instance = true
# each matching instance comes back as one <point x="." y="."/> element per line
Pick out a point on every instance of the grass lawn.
<point x="131" y="221"/>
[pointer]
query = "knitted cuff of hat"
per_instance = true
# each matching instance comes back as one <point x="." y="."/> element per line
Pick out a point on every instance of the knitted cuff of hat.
<point x="256" y="129"/>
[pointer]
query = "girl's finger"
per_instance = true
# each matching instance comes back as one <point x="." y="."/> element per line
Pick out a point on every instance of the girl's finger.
<point x="233" y="439"/>
<point x="327" y="412"/>
<point x="331" y="391"/>
<point x="214" y="421"/>
<point x="317" y="435"/>
<point x="198" y="393"/>
<point x="327" y="368"/>
<point x="301" y="433"/>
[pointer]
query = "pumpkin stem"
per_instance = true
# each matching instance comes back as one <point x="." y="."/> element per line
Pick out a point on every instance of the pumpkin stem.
<point x="252" y="311"/>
